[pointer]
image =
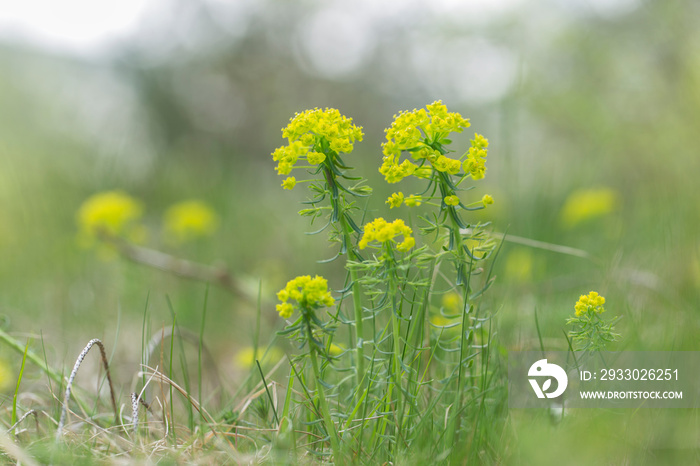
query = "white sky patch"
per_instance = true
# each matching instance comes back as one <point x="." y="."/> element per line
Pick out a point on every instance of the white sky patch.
<point x="473" y="11"/>
<point x="473" y="69"/>
<point x="613" y="8"/>
<point x="78" y="26"/>
<point x="335" y="41"/>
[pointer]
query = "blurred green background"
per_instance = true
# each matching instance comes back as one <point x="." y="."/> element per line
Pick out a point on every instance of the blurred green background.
<point x="591" y="108"/>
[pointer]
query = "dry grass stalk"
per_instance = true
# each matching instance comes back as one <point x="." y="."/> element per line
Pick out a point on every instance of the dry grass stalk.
<point x="74" y="372"/>
<point x="31" y="412"/>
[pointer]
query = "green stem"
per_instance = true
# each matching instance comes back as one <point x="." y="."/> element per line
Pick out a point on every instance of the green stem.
<point x="338" y="215"/>
<point x="37" y="361"/>
<point x="356" y="303"/>
<point x="396" y="329"/>
<point x="464" y="281"/>
<point x="321" y="394"/>
<point x="396" y="335"/>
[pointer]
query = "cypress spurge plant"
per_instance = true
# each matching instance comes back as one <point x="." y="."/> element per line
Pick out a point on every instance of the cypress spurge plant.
<point x="307" y="295"/>
<point x="424" y="134"/>
<point x="320" y="138"/>
<point x="591" y="332"/>
<point x="407" y="386"/>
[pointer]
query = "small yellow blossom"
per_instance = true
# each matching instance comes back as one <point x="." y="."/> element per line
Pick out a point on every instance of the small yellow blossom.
<point x="381" y="231"/>
<point x="407" y="244"/>
<point x="413" y="200"/>
<point x="289" y="183"/>
<point x="395" y="200"/>
<point x="487" y="199"/>
<point x="285" y="310"/>
<point x="314" y="158"/>
<point x="190" y="219"/>
<point x="451" y="200"/>
<point x="309" y="293"/>
<point x="588" y="204"/>
<point x="592" y="302"/>
<point x="113" y="213"/>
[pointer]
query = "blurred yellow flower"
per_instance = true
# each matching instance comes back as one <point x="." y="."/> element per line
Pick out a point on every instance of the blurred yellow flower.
<point x="587" y="204"/>
<point x="187" y="220"/>
<point x="336" y="350"/>
<point x="518" y="265"/>
<point x="112" y="213"/>
<point x="479" y="247"/>
<point x="7" y="378"/>
<point x="246" y="357"/>
<point x="439" y="321"/>
<point x="452" y="302"/>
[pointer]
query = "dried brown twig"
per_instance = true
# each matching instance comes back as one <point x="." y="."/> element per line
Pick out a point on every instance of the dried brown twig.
<point x="219" y="275"/>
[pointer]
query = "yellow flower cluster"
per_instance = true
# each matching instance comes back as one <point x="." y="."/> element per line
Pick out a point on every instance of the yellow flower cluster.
<point x="475" y="164"/>
<point x="113" y="213"/>
<point x="311" y="134"/>
<point x="308" y="292"/>
<point x="410" y="131"/>
<point x="188" y="220"/>
<point x="592" y="302"/>
<point x="381" y="231"/>
<point x="487" y="199"/>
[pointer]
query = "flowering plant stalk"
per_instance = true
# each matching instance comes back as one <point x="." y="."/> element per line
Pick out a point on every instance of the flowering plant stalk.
<point x="425" y="135"/>
<point x="396" y="278"/>
<point x="591" y="332"/>
<point x="309" y="295"/>
<point x="320" y="137"/>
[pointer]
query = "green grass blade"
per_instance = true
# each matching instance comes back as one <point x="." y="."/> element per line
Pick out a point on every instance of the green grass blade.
<point x="200" y="349"/>
<point x="19" y="380"/>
